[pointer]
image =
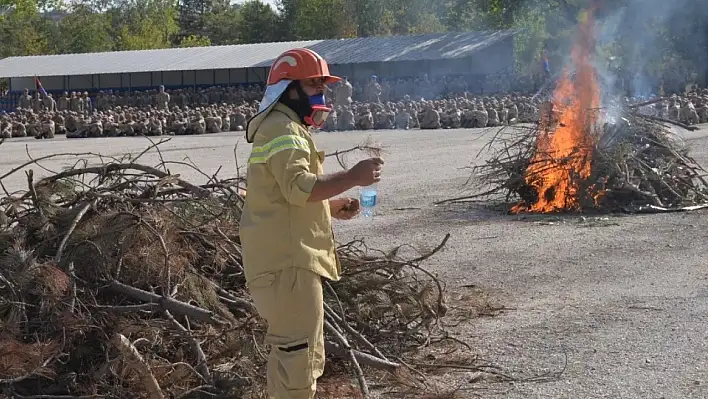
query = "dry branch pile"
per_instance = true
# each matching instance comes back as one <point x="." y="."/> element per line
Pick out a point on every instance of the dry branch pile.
<point x="123" y="280"/>
<point x="637" y="164"/>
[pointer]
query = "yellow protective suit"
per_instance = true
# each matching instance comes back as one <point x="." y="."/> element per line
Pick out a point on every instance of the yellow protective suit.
<point x="288" y="247"/>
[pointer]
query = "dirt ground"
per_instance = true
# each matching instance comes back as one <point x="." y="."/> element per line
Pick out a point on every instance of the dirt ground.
<point x="618" y="303"/>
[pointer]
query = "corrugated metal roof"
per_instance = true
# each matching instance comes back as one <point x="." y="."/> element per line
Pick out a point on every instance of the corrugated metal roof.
<point x="341" y="51"/>
<point x="175" y="59"/>
<point x="433" y="46"/>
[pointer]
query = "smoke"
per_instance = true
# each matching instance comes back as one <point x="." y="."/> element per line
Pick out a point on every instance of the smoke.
<point x="605" y="64"/>
<point x="647" y="40"/>
<point x="646" y="46"/>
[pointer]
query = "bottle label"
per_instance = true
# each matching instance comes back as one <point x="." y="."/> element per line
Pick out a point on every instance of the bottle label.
<point x="368" y="199"/>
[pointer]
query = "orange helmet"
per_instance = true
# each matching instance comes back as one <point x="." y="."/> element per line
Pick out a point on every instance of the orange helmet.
<point x="299" y="64"/>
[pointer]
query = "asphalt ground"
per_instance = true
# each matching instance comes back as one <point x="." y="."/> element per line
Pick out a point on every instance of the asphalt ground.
<point x="618" y="303"/>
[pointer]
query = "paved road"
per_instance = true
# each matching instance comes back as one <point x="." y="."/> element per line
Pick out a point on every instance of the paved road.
<point x="624" y="300"/>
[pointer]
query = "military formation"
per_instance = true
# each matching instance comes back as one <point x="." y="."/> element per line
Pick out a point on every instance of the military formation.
<point x="149" y="113"/>
<point x="465" y="111"/>
<point x="397" y="104"/>
<point x="689" y="109"/>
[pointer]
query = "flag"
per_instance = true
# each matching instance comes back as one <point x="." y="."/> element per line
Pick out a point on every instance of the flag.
<point x="39" y="86"/>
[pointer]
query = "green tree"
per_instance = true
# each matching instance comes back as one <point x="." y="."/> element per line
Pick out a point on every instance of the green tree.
<point x="222" y="25"/>
<point x="310" y="14"/>
<point x="144" y="34"/>
<point x="22" y="30"/>
<point x="372" y="17"/>
<point x="461" y="15"/>
<point x="144" y="24"/>
<point x="84" y="31"/>
<point x="416" y="17"/>
<point x="287" y="20"/>
<point x="192" y="14"/>
<point x="20" y="8"/>
<point x="194" y="41"/>
<point x="259" y="23"/>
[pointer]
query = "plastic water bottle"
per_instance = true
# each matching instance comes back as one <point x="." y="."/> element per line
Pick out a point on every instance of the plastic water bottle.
<point x="368" y="201"/>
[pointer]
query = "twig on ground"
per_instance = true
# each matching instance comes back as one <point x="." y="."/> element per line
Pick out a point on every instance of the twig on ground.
<point x="72" y="227"/>
<point x="135" y="361"/>
<point x="203" y="365"/>
<point x="361" y="357"/>
<point x="166" y="303"/>
<point x="352" y="357"/>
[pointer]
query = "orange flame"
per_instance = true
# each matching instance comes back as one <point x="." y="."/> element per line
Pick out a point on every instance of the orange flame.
<point x="562" y="161"/>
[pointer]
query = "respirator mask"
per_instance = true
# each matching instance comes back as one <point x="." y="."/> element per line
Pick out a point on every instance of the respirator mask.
<point x="312" y="110"/>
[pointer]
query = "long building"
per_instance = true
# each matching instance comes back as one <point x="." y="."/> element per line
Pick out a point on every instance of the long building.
<point x="466" y="53"/>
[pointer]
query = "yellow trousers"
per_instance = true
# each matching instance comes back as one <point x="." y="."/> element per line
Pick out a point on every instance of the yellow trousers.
<point x="290" y="301"/>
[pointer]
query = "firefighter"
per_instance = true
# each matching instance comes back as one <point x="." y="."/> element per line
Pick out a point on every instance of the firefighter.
<point x="286" y="231"/>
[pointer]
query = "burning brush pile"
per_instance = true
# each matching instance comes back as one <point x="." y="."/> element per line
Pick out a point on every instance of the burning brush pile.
<point x="123" y="280"/>
<point x="581" y="157"/>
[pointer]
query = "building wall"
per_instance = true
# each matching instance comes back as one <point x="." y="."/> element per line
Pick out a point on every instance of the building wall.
<point x="19" y="84"/>
<point x="497" y="59"/>
<point x="356" y="71"/>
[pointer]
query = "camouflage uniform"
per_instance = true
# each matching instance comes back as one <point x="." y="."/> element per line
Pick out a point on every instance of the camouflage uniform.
<point x="430" y="119"/>
<point x="345" y="120"/>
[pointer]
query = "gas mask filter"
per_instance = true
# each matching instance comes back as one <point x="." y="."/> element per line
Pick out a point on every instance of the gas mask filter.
<point x="319" y="111"/>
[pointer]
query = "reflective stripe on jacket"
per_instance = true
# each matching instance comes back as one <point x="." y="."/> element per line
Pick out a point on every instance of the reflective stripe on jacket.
<point x="279" y="227"/>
